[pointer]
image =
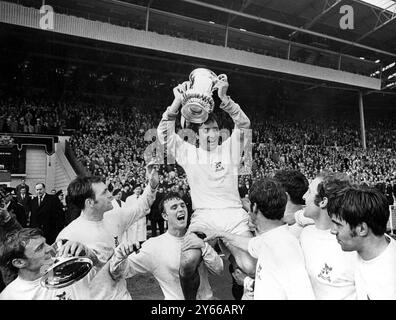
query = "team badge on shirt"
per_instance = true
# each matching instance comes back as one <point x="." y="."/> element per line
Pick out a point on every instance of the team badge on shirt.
<point x="218" y="166"/>
<point x="258" y="272"/>
<point x="325" y="273"/>
<point x="62" y="296"/>
<point x="116" y="242"/>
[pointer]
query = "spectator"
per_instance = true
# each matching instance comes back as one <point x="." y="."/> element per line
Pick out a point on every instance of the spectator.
<point x="155" y="216"/>
<point x="25" y="200"/>
<point x="46" y="213"/>
<point x="22" y="185"/>
<point x="117" y="202"/>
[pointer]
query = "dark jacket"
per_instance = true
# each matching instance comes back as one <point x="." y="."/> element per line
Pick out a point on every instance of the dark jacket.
<point x="49" y="216"/>
<point x="72" y="212"/>
<point x="18" y="211"/>
<point x="25" y="202"/>
<point x="155" y="213"/>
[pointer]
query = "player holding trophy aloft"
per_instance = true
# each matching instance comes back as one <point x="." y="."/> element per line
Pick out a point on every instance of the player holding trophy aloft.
<point x="212" y="169"/>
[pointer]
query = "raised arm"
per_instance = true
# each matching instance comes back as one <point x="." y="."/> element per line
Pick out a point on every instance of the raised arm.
<point x="141" y="208"/>
<point x="241" y="137"/>
<point x="128" y="260"/>
<point x="240" y="119"/>
<point x="174" y="144"/>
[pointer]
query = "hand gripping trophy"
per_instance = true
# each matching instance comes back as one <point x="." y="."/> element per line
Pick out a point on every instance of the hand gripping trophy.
<point x="197" y="101"/>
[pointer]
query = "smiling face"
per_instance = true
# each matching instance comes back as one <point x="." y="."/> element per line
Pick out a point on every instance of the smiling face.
<point x="209" y="135"/>
<point x="176" y="214"/>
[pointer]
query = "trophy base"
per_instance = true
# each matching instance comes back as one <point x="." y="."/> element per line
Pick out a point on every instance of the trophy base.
<point x="196" y="107"/>
<point x="194" y="113"/>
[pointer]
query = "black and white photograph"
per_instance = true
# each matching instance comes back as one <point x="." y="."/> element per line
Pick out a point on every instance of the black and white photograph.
<point x="220" y="151"/>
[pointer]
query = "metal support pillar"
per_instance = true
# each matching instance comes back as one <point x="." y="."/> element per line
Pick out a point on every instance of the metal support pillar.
<point x="362" y="127"/>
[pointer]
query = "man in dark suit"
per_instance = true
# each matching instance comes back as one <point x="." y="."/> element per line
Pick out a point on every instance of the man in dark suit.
<point x="24" y="200"/>
<point x="125" y="192"/>
<point x="155" y="215"/>
<point x="46" y="213"/>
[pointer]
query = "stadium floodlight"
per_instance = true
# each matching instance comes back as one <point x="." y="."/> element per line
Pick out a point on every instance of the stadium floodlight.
<point x="389" y="66"/>
<point x="374" y="73"/>
<point x="390" y="85"/>
<point x="392" y="76"/>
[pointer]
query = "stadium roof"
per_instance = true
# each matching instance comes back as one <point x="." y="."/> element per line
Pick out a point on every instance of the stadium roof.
<point x="388" y="5"/>
<point x="310" y="22"/>
<point x="313" y="22"/>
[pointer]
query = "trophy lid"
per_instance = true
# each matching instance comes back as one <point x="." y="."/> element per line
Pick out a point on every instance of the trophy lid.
<point x="66" y="271"/>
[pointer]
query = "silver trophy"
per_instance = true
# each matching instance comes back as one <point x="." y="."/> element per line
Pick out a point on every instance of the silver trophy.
<point x="197" y="100"/>
<point x="65" y="270"/>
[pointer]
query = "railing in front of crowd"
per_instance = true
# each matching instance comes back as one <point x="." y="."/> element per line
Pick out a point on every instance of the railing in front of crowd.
<point x="74" y="162"/>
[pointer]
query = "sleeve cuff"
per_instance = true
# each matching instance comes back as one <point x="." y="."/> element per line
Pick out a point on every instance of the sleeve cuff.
<point x="230" y="106"/>
<point x="224" y="105"/>
<point x="170" y="115"/>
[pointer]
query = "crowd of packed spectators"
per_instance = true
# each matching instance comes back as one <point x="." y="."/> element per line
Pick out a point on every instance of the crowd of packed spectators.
<point x="109" y="140"/>
<point x="40" y="116"/>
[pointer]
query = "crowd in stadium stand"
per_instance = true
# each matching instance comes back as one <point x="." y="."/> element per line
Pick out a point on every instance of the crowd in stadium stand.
<point x="17" y="115"/>
<point x="109" y="141"/>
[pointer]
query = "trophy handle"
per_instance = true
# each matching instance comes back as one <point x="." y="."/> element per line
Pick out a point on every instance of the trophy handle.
<point x="220" y="77"/>
<point x="181" y="89"/>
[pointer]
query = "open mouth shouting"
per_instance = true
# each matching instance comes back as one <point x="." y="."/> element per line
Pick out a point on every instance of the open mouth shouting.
<point x="181" y="216"/>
